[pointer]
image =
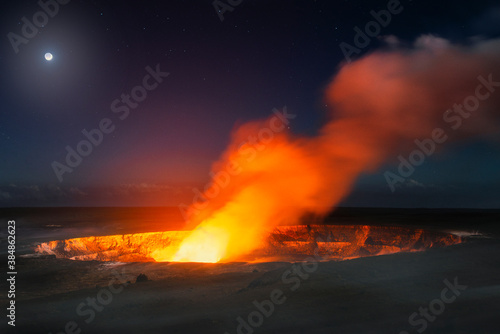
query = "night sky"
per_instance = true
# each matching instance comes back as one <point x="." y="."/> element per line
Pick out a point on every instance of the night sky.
<point x="211" y="76"/>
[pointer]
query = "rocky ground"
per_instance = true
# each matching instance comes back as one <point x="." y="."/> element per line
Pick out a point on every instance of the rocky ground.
<point x="454" y="289"/>
<point x="365" y="295"/>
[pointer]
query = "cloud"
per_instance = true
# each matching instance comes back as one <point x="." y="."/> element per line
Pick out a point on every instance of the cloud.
<point x="54" y="195"/>
<point x="431" y="42"/>
<point x="380" y="104"/>
<point x="414" y="183"/>
<point x="77" y="192"/>
<point x="14" y="192"/>
<point x="5" y="195"/>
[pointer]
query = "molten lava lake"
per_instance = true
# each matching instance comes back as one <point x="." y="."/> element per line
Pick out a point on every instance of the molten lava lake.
<point x="283" y="243"/>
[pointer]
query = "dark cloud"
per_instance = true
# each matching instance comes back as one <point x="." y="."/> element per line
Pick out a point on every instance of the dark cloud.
<point x="130" y="194"/>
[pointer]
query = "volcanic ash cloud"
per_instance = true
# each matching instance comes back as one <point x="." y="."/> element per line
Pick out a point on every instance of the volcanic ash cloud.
<point x="379" y="104"/>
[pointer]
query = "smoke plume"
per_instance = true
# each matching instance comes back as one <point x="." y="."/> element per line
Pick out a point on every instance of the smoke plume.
<point x="380" y="105"/>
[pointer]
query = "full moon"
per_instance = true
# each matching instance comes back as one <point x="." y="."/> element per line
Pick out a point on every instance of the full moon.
<point x="48" y="56"/>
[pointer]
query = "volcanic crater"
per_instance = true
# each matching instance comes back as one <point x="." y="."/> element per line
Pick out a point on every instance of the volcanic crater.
<point x="283" y="243"/>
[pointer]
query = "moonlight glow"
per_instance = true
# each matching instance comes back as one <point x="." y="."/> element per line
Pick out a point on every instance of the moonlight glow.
<point x="48" y="56"/>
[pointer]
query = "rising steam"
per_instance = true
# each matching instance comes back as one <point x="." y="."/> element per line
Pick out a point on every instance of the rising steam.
<point x="380" y="104"/>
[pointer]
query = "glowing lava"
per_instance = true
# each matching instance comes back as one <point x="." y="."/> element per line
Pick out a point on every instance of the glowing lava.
<point x="204" y="244"/>
<point x="268" y="177"/>
<point x="209" y="243"/>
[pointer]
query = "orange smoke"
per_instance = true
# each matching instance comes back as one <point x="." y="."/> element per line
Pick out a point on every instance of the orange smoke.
<point x="380" y="104"/>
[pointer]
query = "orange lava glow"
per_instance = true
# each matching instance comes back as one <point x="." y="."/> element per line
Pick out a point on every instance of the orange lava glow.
<point x="268" y="177"/>
<point x="283" y="243"/>
<point x="205" y="244"/>
<point x="380" y="105"/>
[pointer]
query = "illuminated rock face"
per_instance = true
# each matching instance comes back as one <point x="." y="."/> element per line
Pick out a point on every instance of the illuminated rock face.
<point x="351" y="241"/>
<point x="136" y="247"/>
<point x="336" y="242"/>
